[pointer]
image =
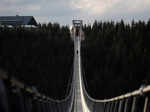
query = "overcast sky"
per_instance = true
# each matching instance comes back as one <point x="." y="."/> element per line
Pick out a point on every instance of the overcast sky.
<point x="63" y="11"/>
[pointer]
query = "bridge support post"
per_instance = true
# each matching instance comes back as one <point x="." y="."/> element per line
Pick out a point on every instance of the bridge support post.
<point x="49" y="107"/>
<point x="3" y="98"/>
<point x="105" y="107"/>
<point x="111" y="106"/>
<point x="53" y="109"/>
<point x="145" y="104"/>
<point x="28" y="104"/>
<point x="108" y="107"/>
<point x="133" y="104"/>
<point x="116" y="107"/>
<point x="45" y="105"/>
<point x="15" y="99"/>
<point x="126" y="105"/>
<point x="120" y="106"/>
<point x="40" y="107"/>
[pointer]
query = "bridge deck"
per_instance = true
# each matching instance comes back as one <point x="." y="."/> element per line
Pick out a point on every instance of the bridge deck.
<point x="80" y="105"/>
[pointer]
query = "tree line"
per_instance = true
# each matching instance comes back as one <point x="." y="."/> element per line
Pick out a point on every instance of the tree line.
<point x="40" y="57"/>
<point x="115" y="57"/>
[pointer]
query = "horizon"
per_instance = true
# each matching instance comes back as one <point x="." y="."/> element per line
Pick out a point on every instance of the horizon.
<point x="64" y="11"/>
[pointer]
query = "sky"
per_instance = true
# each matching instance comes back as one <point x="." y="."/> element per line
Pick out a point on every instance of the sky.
<point x="64" y="11"/>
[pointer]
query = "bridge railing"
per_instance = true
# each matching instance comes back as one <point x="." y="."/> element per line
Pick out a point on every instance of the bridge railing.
<point x="136" y="101"/>
<point x="17" y="97"/>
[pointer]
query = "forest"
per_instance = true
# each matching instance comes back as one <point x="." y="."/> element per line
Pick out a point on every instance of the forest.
<point x="41" y="57"/>
<point x="115" y="57"/>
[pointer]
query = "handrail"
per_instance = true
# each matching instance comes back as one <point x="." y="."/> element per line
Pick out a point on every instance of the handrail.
<point x="125" y="102"/>
<point x="127" y="95"/>
<point x="15" y="83"/>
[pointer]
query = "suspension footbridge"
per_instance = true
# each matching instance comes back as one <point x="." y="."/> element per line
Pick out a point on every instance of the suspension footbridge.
<point x="15" y="97"/>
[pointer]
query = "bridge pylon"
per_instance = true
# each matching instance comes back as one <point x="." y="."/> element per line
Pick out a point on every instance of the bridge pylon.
<point x="76" y="31"/>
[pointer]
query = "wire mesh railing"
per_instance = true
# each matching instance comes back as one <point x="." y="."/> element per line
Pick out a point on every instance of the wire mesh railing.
<point x="17" y="97"/>
<point x="136" y="101"/>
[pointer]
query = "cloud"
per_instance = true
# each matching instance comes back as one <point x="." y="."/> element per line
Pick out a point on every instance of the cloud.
<point x="94" y="6"/>
<point x="108" y="10"/>
<point x="100" y="7"/>
<point x="32" y="8"/>
<point x="13" y="7"/>
<point x="63" y="11"/>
